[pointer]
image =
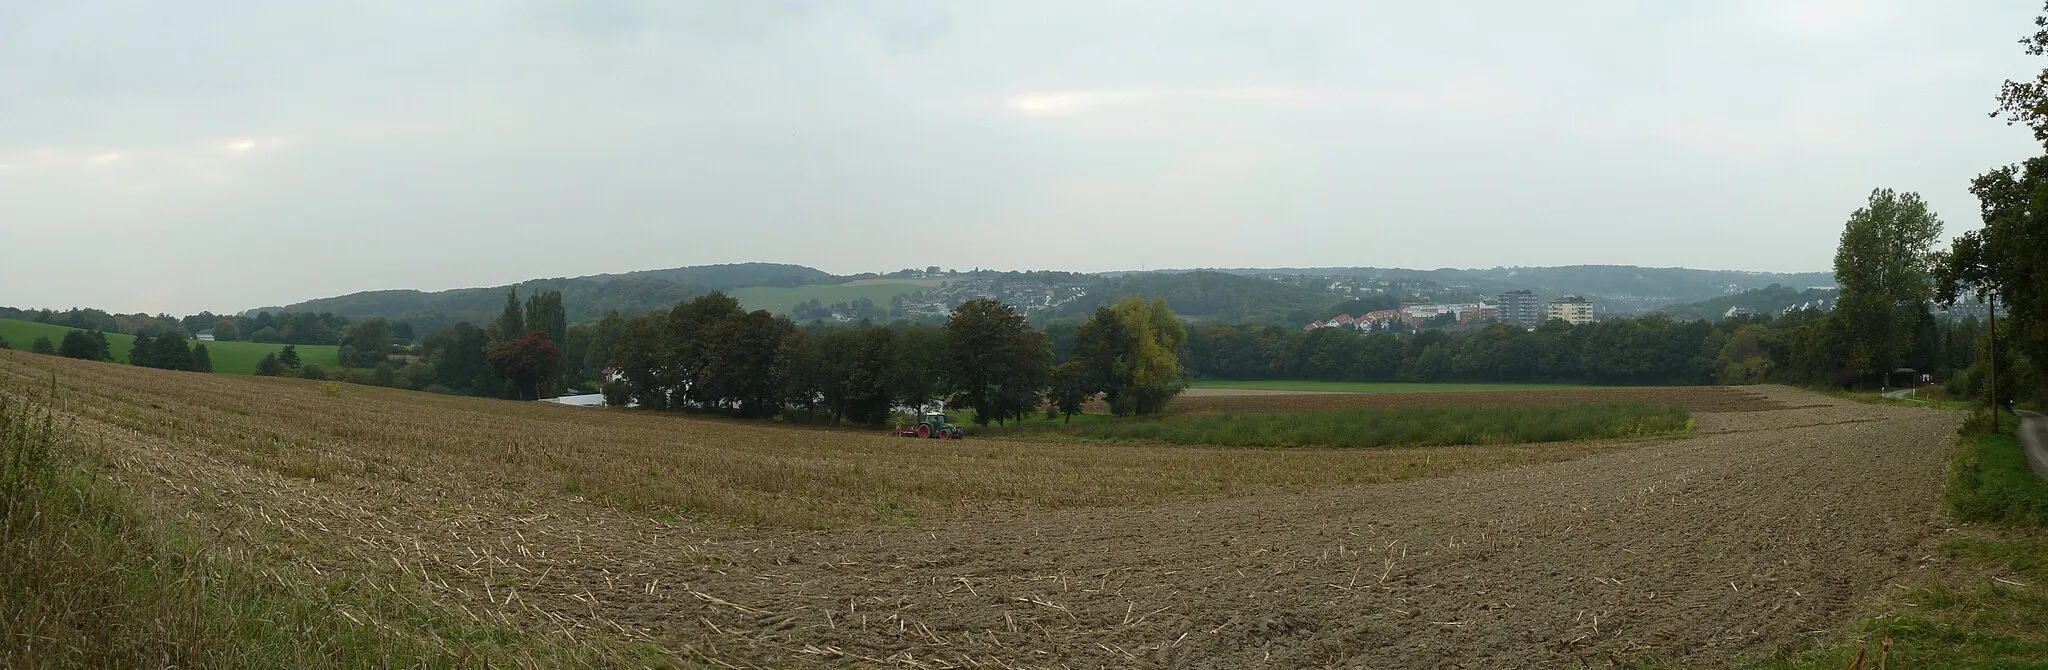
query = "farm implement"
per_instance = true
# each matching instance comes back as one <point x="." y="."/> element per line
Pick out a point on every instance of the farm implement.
<point x="934" y="426"/>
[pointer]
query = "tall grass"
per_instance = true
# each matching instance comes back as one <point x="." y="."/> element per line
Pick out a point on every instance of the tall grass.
<point x="1395" y="426"/>
<point x="87" y="580"/>
<point x="1991" y="480"/>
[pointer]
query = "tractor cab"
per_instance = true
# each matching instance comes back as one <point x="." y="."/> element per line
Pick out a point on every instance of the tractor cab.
<point x="938" y="425"/>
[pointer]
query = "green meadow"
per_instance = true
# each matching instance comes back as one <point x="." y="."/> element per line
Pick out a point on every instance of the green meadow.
<point x="1440" y="425"/>
<point x="233" y="358"/>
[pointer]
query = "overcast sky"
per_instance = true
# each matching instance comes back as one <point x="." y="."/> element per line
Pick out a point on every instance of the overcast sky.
<point x="178" y="156"/>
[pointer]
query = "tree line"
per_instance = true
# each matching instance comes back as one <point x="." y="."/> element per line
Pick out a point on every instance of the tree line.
<point x="264" y="327"/>
<point x="168" y="351"/>
<point x="519" y="356"/>
<point x="1882" y="321"/>
<point x="708" y="354"/>
<point x="2005" y="263"/>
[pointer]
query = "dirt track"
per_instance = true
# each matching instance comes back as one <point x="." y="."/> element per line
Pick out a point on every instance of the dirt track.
<point x="1768" y="527"/>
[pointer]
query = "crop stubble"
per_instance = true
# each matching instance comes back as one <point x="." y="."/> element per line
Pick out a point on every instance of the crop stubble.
<point x="1741" y="541"/>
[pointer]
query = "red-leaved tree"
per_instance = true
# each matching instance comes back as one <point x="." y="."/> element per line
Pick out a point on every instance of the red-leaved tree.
<point x="526" y="361"/>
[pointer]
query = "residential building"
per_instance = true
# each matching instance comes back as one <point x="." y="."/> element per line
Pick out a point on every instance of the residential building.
<point x="1477" y="313"/>
<point x="1521" y="308"/>
<point x="1571" y="309"/>
<point x="1378" y="320"/>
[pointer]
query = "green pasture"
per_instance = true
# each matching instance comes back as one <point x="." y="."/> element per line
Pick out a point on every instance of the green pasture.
<point x="233" y="358"/>
<point x="1370" y="427"/>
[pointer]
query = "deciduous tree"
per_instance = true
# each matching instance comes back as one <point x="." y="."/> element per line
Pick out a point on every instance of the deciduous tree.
<point x="1132" y="355"/>
<point x="269" y="366"/>
<point x="141" y="354"/>
<point x="739" y="364"/>
<point x="990" y="348"/>
<point x="526" y="362"/>
<point x="544" y="313"/>
<point x="1068" y="388"/>
<point x="638" y="359"/>
<point x="511" y="323"/>
<point x="1884" y="266"/>
<point x="201" y="360"/>
<point x="917" y="371"/>
<point x="365" y="344"/>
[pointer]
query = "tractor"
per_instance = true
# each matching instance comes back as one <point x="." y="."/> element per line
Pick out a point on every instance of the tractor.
<point x="934" y="425"/>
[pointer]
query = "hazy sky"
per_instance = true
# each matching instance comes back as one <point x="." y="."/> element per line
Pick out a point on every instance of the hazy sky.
<point x="178" y="156"/>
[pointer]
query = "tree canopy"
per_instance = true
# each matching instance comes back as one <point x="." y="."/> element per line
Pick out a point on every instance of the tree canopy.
<point x="1130" y="352"/>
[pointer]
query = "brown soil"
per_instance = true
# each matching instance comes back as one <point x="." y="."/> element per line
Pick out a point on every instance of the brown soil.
<point x="1696" y="399"/>
<point x="1754" y="537"/>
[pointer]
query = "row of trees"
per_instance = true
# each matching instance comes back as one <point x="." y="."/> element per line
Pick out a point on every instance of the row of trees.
<point x="709" y="354"/>
<point x="2005" y="263"/>
<point x="282" y="327"/>
<point x="519" y="355"/>
<point x="168" y="351"/>
<point x="1881" y="322"/>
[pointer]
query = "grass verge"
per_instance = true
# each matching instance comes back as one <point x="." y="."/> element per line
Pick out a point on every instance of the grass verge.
<point x="1439" y="425"/>
<point x="87" y="580"/>
<point x="1987" y="607"/>
<point x="1991" y="480"/>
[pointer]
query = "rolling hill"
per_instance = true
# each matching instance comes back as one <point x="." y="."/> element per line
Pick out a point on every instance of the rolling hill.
<point x="1618" y="288"/>
<point x="1273" y="295"/>
<point x="585" y="298"/>
<point x="1767" y="300"/>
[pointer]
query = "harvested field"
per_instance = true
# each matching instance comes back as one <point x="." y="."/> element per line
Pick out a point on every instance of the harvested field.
<point x="1694" y="399"/>
<point x="1738" y="543"/>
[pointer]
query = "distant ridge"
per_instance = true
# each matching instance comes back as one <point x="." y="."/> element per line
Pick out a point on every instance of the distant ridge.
<point x="1614" y="288"/>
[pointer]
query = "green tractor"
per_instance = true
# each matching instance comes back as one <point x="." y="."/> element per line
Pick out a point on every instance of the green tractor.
<point x="935" y="425"/>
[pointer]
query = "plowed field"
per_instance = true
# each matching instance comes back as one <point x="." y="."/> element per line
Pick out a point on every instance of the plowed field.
<point x="1695" y="399"/>
<point x="1758" y="535"/>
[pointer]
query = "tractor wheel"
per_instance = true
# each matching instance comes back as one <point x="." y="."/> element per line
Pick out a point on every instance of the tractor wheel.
<point x="924" y="430"/>
<point x="944" y="434"/>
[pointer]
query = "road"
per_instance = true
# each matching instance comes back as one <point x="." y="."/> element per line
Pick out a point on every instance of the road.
<point x="2034" y="438"/>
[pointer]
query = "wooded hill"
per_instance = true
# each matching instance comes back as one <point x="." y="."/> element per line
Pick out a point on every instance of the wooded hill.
<point x="1769" y="300"/>
<point x="1617" y="288"/>
<point x="1256" y="295"/>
